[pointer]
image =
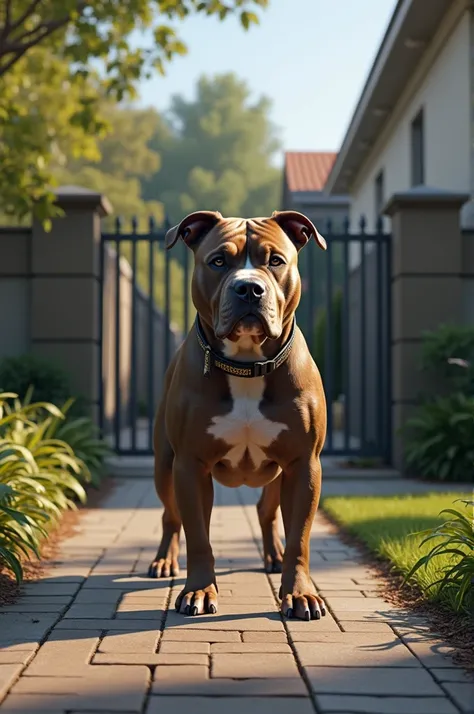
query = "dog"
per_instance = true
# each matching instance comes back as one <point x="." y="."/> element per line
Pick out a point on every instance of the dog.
<point x="243" y="403"/>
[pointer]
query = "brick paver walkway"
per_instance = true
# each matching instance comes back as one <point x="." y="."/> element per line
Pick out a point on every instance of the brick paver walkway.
<point x="97" y="635"/>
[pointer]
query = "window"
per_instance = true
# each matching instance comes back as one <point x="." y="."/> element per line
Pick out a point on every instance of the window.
<point x="379" y="195"/>
<point x="417" y="150"/>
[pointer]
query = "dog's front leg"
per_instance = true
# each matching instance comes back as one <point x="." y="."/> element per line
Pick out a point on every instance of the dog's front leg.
<point x="194" y="494"/>
<point x="301" y="488"/>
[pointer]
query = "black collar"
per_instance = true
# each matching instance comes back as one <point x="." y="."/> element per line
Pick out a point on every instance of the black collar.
<point x="241" y="369"/>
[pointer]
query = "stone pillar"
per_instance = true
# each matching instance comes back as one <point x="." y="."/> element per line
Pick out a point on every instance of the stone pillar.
<point x="65" y="266"/>
<point x="426" y="287"/>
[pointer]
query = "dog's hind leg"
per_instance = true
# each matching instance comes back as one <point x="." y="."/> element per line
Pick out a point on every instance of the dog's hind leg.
<point x="165" y="563"/>
<point x="267" y="509"/>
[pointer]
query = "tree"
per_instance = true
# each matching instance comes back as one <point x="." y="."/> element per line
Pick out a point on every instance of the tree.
<point x="218" y="154"/>
<point x="68" y="55"/>
<point x="126" y="158"/>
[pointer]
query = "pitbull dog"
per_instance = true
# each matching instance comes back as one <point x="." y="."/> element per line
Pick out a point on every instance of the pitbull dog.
<point x="243" y="403"/>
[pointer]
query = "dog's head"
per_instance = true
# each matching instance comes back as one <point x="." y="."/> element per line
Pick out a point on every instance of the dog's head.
<point x="246" y="277"/>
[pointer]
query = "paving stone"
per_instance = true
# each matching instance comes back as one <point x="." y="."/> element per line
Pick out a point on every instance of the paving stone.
<point x="112" y="624"/>
<point x="112" y="688"/>
<point x="63" y="655"/>
<point x="42" y="588"/>
<point x="431" y="653"/>
<point x="184" y="647"/>
<point x="207" y="705"/>
<point x="94" y="596"/>
<point x="384" y="705"/>
<point x="250" y="647"/>
<point x="177" y="635"/>
<point x="362" y="680"/>
<point x="130" y="642"/>
<point x="452" y="675"/>
<point x="150" y="659"/>
<point x="393" y="654"/>
<point x="36" y="703"/>
<point x="376" y="639"/>
<point x="348" y="586"/>
<point x="358" y="626"/>
<point x="41" y="599"/>
<point x="194" y="681"/>
<point x="16" y="657"/>
<point x="340" y="605"/>
<point x="90" y="611"/>
<point x="8" y="675"/>
<point x="253" y="665"/>
<point x="266" y="623"/>
<point x="325" y="624"/>
<point x="463" y="695"/>
<point x="37" y="607"/>
<point x="327" y="594"/>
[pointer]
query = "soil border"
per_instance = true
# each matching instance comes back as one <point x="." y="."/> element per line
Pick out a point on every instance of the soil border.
<point x="33" y="569"/>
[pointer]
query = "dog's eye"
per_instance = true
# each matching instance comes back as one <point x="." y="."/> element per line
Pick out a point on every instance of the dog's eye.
<point x="276" y="260"/>
<point x="217" y="262"/>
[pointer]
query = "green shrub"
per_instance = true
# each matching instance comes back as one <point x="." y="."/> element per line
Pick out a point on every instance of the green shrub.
<point x="49" y="381"/>
<point x="440" y="345"/>
<point x="440" y="439"/>
<point x="455" y="539"/>
<point x="84" y="439"/>
<point x="40" y="476"/>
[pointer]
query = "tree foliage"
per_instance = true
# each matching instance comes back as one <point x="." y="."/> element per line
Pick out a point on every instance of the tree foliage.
<point x="58" y="60"/>
<point x="218" y="154"/>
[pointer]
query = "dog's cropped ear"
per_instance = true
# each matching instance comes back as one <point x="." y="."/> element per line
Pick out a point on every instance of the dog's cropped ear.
<point x="192" y="228"/>
<point x="298" y="228"/>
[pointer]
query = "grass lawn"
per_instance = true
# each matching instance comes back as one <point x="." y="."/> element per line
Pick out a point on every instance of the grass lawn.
<point x="387" y="524"/>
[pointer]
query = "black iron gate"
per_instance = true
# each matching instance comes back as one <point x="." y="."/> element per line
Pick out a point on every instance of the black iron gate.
<point x="344" y="313"/>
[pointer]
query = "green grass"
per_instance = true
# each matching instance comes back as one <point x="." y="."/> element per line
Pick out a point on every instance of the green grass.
<point x="388" y="524"/>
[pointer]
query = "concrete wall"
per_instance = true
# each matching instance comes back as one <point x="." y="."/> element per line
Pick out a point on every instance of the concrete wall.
<point x="50" y="297"/>
<point x="442" y="87"/>
<point x="15" y="297"/>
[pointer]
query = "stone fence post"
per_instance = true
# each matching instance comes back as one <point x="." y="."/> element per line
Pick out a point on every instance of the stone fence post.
<point x="65" y="289"/>
<point x="427" y="287"/>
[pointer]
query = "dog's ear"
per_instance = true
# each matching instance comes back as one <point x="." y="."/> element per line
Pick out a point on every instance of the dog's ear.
<point x="298" y="228"/>
<point x="192" y="228"/>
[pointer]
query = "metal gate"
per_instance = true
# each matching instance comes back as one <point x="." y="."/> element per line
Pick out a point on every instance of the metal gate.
<point x="345" y="310"/>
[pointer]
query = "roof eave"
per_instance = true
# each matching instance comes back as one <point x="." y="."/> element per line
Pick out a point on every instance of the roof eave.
<point x="409" y="32"/>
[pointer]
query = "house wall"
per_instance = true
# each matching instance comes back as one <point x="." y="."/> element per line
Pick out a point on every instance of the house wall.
<point x="442" y="87"/>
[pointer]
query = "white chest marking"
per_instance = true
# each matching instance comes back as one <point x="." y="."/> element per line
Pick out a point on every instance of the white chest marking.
<point x="245" y="428"/>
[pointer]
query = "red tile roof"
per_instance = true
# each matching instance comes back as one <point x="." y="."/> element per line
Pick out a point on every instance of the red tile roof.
<point x="308" y="170"/>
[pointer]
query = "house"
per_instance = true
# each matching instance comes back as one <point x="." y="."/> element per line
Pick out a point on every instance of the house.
<point x="414" y="122"/>
<point x="304" y="176"/>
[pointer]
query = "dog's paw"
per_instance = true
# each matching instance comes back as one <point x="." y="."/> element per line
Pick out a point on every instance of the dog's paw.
<point x="197" y="602"/>
<point x="274" y="562"/>
<point x="302" y="603"/>
<point x="163" y="568"/>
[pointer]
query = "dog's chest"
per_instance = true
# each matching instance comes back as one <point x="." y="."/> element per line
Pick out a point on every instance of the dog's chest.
<point x="245" y="430"/>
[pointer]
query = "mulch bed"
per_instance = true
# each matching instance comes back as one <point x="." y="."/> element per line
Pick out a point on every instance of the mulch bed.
<point x="65" y="528"/>
<point x="456" y="630"/>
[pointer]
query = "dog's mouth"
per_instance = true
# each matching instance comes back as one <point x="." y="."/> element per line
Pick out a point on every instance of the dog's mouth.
<point x="251" y="325"/>
<point x="248" y="326"/>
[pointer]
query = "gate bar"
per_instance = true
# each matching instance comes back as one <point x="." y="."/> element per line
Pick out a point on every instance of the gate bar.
<point x="133" y="385"/>
<point x="345" y="342"/>
<point x="363" y="355"/>
<point x="151" y="346"/>
<point x="328" y="371"/>
<point x="118" y="404"/>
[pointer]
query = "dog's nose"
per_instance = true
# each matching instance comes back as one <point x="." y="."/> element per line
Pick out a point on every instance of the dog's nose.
<point x="249" y="290"/>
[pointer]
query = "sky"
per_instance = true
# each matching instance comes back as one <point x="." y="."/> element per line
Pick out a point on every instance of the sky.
<point x="310" y="57"/>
